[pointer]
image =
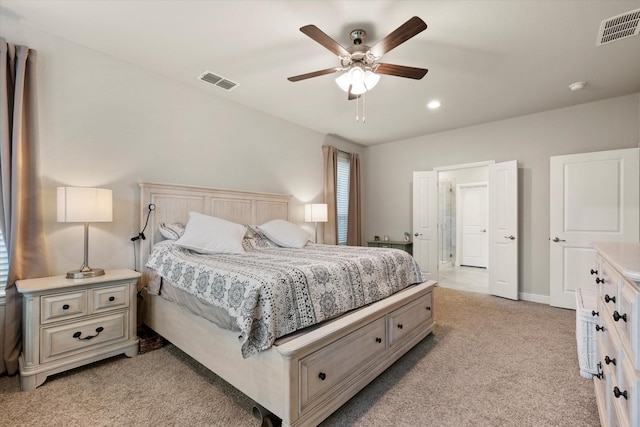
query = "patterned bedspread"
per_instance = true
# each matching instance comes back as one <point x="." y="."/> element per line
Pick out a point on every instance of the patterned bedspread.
<point x="273" y="291"/>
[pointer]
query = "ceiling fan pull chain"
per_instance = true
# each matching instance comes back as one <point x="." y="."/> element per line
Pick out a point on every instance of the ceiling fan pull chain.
<point x="357" y="109"/>
<point x="363" y="101"/>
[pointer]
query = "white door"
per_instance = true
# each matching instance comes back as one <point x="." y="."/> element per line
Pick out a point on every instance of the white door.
<point x="425" y="227"/>
<point x="472" y="213"/>
<point x="503" y="229"/>
<point x="593" y="197"/>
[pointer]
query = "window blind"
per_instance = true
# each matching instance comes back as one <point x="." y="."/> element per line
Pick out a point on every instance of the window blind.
<point x="342" y="196"/>
<point x="4" y="263"/>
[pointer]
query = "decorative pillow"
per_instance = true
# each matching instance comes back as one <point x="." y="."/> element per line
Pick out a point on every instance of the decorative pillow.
<point x="171" y="231"/>
<point x="210" y="235"/>
<point x="285" y="233"/>
<point x="255" y="239"/>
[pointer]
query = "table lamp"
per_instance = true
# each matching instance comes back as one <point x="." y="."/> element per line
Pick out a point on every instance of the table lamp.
<point x="315" y="212"/>
<point x="80" y="204"/>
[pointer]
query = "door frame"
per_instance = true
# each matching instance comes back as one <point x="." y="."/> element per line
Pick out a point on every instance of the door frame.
<point x="513" y="289"/>
<point x="439" y="169"/>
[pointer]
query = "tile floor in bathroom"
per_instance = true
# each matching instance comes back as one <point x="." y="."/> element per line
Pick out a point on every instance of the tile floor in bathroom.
<point x="464" y="278"/>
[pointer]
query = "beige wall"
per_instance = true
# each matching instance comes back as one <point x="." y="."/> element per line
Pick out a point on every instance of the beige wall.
<point x="104" y="122"/>
<point x="107" y="123"/>
<point x="531" y="140"/>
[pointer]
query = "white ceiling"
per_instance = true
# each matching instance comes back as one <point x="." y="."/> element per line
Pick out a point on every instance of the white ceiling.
<point x="487" y="60"/>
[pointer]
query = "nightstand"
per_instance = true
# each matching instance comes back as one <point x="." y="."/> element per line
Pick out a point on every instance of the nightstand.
<point x="68" y="323"/>
<point x="405" y="246"/>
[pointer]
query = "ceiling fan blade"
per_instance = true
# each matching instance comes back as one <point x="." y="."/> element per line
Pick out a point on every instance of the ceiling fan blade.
<point x="319" y="36"/>
<point x="314" y="74"/>
<point x="401" y="71"/>
<point x="403" y="33"/>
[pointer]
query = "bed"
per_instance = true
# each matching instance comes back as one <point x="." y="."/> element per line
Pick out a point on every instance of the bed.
<point x="303" y="376"/>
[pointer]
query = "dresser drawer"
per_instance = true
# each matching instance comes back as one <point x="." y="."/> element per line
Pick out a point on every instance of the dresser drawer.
<point x="109" y="298"/>
<point x="628" y="323"/>
<point x="326" y="369"/>
<point x="624" y="395"/>
<point x="64" y="340"/>
<point x="406" y="318"/>
<point x="609" y="289"/>
<point x="63" y="306"/>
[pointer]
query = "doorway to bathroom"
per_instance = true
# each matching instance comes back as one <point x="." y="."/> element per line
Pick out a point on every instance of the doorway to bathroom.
<point x="462" y="231"/>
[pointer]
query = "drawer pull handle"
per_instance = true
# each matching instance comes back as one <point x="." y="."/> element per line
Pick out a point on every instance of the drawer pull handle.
<point x="322" y="376"/>
<point x="65" y="307"/>
<point x="428" y="308"/>
<point x="617" y="316"/>
<point x="600" y="372"/>
<point x="599" y="328"/>
<point x="599" y="280"/>
<point x="400" y="326"/>
<point x="595" y="313"/>
<point x="607" y="298"/>
<point x="618" y="393"/>
<point x="594" y="271"/>
<point x="88" y="337"/>
<point x="378" y="340"/>
<point x="112" y="299"/>
<point x="609" y="361"/>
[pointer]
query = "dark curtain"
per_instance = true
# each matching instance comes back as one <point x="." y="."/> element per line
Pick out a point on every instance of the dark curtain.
<point x="330" y="156"/>
<point x="20" y="197"/>
<point x="354" y="226"/>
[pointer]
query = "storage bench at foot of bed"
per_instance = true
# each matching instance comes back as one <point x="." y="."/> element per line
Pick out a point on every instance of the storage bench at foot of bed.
<point x="306" y="376"/>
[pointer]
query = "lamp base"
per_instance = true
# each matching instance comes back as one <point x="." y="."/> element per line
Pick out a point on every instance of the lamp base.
<point x="85" y="274"/>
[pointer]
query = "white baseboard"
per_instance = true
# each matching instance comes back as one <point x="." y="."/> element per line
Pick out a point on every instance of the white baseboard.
<point x="542" y="299"/>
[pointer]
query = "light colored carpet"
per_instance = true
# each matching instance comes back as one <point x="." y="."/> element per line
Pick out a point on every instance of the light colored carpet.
<point x="490" y="362"/>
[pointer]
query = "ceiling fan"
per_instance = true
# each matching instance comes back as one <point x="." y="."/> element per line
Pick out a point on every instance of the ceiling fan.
<point x="360" y="62"/>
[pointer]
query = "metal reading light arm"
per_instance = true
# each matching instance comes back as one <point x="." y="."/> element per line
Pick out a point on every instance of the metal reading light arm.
<point x="141" y="235"/>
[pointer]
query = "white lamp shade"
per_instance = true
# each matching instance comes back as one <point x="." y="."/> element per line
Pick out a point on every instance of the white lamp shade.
<point x="80" y="204"/>
<point x="315" y="212"/>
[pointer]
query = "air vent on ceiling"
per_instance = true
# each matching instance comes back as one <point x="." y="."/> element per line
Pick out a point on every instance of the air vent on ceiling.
<point x="216" y="80"/>
<point x="619" y="27"/>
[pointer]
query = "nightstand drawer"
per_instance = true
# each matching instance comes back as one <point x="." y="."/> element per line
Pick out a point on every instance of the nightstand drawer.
<point x="110" y="298"/>
<point x="71" y="338"/>
<point x="63" y="306"/>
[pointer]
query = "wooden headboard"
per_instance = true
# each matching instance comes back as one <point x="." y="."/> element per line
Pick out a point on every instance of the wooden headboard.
<point x="173" y="202"/>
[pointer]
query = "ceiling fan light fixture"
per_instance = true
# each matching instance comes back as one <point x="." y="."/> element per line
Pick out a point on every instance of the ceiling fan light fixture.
<point x="343" y="81"/>
<point x="371" y="79"/>
<point x="358" y="79"/>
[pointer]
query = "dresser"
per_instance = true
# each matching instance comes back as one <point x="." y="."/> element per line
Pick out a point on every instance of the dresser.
<point x="405" y="246"/>
<point x="617" y="382"/>
<point x="67" y="323"/>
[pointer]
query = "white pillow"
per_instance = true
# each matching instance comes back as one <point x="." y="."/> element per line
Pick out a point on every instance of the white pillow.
<point x="284" y="233"/>
<point x="171" y="231"/>
<point x="210" y="235"/>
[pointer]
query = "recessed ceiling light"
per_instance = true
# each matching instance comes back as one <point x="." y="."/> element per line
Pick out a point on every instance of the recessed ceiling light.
<point x="577" y="86"/>
<point x="435" y="104"/>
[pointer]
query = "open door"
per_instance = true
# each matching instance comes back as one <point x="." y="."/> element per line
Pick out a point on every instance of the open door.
<point x="425" y="222"/>
<point x="503" y="229"/>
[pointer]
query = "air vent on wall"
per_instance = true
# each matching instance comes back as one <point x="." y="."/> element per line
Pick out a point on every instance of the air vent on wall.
<point x="216" y="80"/>
<point x="619" y="27"/>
